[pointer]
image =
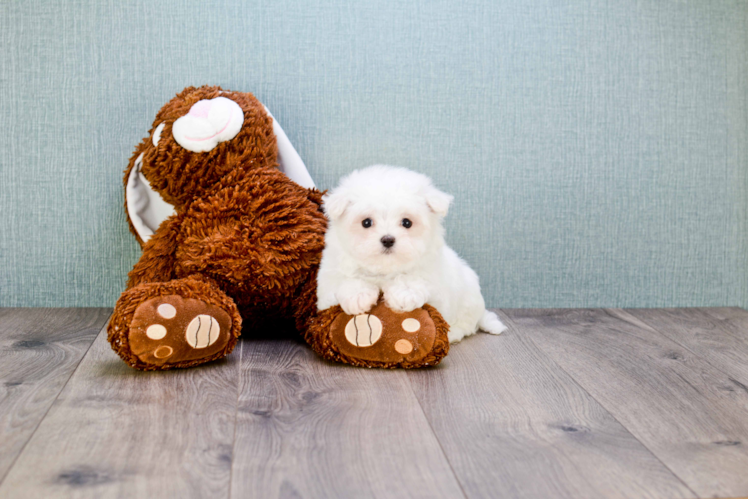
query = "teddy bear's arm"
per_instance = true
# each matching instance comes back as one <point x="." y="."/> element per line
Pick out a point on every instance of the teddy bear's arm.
<point x="158" y="259"/>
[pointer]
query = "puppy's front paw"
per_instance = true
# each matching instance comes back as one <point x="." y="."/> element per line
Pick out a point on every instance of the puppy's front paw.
<point x="358" y="301"/>
<point x="404" y="298"/>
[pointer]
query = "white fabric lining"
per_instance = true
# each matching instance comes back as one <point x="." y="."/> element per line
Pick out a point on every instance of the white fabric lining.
<point x="146" y="208"/>
<point x="290" y="163"/>
<point x="157" y="134"/>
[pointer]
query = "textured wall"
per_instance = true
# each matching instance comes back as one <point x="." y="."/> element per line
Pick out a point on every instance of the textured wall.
<point x="597" y="150"/>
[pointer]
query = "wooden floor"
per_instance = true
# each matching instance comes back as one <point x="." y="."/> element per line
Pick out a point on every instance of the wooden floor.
<point x="567" y="403"/>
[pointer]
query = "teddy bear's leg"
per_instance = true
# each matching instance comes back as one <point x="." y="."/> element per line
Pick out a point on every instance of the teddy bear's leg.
<point x="381" y="338"/>
<point x="176" y="324"/>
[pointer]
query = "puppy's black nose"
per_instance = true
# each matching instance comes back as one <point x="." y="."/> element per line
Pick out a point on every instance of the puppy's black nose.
<point x="388" y="241"/>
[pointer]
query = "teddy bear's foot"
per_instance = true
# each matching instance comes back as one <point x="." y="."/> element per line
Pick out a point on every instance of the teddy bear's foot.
<point x="385" y="338"/>
<point x="160" y="326"/>
<point x="171" y="330"/>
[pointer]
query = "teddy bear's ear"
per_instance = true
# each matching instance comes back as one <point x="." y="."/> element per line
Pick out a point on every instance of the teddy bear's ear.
<point x="336" y="203"/>
<point x="438" y="201"/>
<point x="289" y="161"/>
<point x="145" y="207"/>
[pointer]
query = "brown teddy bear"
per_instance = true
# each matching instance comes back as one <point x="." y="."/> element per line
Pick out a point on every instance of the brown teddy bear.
<point x="232" y="232"/>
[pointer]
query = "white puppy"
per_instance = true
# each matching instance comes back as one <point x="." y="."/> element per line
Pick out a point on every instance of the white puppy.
<point x="385" y="233"/>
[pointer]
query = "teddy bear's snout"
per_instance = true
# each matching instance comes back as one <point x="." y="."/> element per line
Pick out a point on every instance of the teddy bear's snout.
<point x="209" y="122"/>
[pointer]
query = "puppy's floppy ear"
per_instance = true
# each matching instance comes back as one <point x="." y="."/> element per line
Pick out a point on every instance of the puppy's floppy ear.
<point x="335" y="203"/>
<point x="438" y="201"/>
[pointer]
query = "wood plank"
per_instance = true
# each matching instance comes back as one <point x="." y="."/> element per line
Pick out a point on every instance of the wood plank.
<point x="719" y="335"/>
<point x="118" y="432"/>
<point x="693" y="417"/>
<point x="513" y="424"/>
<point x="39" y="349"/>
<point x="308" y="428"/>
<point x="726" y="313"/>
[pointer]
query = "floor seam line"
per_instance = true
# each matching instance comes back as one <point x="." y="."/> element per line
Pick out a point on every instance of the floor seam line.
<point x="436" y="437"/>
<point x="236" y="415"/>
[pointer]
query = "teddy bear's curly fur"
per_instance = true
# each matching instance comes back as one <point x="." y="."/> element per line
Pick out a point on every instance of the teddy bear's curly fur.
<point x="240" y="252"/>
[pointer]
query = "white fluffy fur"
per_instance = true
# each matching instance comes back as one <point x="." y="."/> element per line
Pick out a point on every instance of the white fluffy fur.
<point x="418" y="269"/>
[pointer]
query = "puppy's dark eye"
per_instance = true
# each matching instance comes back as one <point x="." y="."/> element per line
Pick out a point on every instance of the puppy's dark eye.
<point x="366" y="223"/>
<point x="407" y="223"/>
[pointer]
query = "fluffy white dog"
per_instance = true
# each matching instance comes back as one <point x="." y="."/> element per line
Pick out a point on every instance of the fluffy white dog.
<point x="385" y="233"/>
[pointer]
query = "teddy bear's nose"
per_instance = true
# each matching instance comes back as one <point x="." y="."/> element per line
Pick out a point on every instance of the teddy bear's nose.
<point x="201" y="109"/>
<point x="388" y="241"/>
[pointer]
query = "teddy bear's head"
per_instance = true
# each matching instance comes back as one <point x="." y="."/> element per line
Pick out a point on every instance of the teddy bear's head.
<point x="198" y="137"/>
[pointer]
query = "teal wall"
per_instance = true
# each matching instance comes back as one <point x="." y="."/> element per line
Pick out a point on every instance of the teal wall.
<point x="597" y="150"/>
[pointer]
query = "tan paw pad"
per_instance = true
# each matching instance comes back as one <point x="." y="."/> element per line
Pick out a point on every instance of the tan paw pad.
<point x="403" y="346"/>
<point x="163" y="351"/>
<point x="167" y="311"/>
<point x="411" y="325"/>
<point x="202" y="331"/>
<point x="363" y="330"/>
<point x="156" y="332"/>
